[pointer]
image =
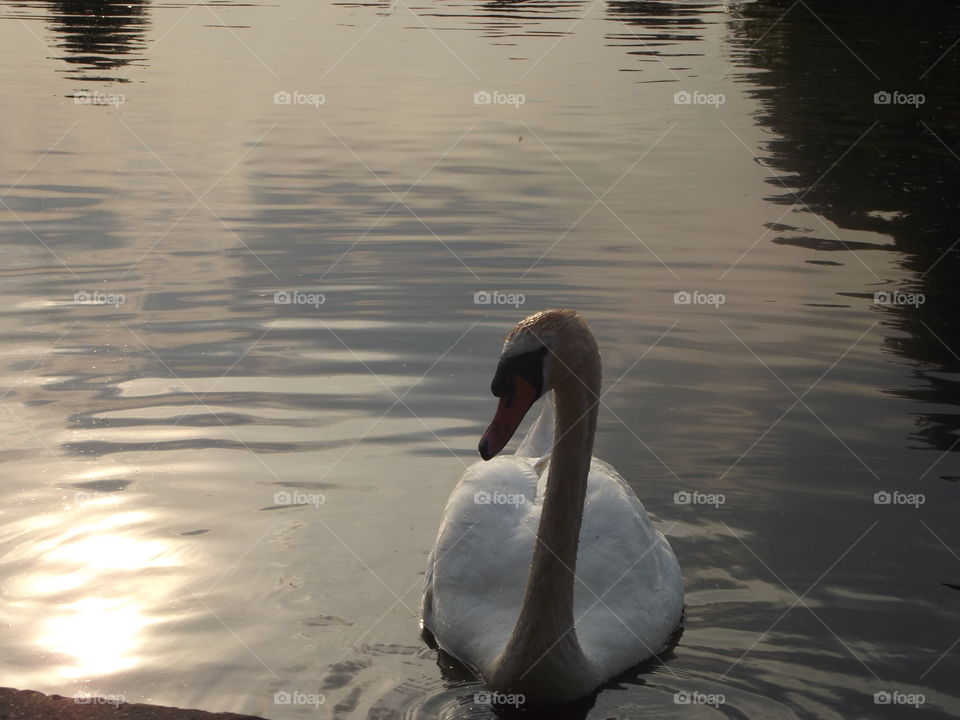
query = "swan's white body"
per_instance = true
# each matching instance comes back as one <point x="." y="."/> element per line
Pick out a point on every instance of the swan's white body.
<point x="628" y="593"/>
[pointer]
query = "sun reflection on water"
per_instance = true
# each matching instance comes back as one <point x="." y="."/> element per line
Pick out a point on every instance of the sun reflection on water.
<point x="108" y="578"/>
<point x="100" y="635"/>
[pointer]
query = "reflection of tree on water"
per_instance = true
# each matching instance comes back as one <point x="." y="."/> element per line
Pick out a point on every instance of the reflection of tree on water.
<point x="649" y="26"/>
<point x="899" y="179"/>
<point x="645" y="25"/>
<point x="519" y="18"/>
<point x="99" y="35"/>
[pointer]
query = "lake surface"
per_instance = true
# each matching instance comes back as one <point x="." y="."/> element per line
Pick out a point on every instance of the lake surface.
<point x="258" y="262"/>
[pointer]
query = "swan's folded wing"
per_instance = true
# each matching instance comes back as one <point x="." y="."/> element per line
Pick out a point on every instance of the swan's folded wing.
<point x="478" y="568"/>
<point x="629" y="596"/>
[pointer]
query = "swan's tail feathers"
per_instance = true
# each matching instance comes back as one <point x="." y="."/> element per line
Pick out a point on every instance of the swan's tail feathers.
<point x="539" y="438"/>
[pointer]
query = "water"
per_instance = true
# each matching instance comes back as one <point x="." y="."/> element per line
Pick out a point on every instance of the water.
<point x="211" y="495"/>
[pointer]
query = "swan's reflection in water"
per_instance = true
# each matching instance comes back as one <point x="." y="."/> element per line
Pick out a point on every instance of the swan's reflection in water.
<point x="653" y="689"/>
<point x="458" y="677"/>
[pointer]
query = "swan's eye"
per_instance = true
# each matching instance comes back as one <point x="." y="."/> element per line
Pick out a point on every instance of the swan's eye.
<point x="528" y="365"/>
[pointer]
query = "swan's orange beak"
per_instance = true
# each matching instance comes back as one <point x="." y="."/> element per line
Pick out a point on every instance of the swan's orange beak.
<point x="509" y="415"/>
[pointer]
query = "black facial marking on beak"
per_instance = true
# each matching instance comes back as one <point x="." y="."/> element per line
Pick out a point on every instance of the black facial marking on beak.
<point x="528" y="365"/>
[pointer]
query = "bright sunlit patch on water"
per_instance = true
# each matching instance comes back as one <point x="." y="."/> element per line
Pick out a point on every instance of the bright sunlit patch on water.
<point x="92" y="628"/>
<point x="54" y="584"/>
<point x="113" y="552"/>
<point x="101" y="635"/>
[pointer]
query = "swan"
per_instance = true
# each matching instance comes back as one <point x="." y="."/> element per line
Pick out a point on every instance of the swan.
<point x="548" y="577"/>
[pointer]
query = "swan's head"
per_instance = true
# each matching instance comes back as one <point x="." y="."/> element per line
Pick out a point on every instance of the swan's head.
<point x="543" y="351"/>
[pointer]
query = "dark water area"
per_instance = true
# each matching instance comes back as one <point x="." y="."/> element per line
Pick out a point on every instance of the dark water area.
<point x="259" y="260"/>
<point x="901" y="171"/>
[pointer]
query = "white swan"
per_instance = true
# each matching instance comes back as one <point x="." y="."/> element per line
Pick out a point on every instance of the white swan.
<point x="507" y="591"/>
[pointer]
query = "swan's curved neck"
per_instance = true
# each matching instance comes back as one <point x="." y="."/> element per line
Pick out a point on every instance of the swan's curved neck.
<point x="543" y="647"/>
